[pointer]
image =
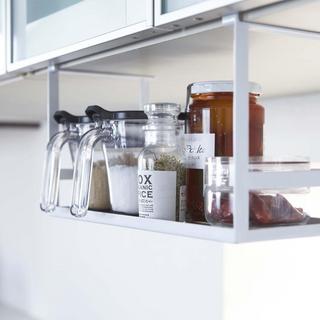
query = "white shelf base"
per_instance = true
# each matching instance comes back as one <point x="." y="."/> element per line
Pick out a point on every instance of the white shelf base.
<point x="205" y="232"/>
<point x="311" y="229"/>
<point x="169" y="227"/>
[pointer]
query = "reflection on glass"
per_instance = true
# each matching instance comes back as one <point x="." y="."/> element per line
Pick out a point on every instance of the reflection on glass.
<point x="38" y="9"/>
<point x="42" y="26"/>
<point x="169" y="5"/>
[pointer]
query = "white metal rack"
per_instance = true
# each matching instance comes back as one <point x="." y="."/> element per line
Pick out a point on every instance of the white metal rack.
<point x="243" y="179"/>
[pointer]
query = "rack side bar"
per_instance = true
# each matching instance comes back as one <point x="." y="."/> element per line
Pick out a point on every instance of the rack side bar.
<point x="294" y="179"/>
<point x="240" y="128"/>
<point x="53" y="99"/>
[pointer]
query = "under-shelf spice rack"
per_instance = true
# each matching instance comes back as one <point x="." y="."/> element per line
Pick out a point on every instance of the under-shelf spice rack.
<point x="243" y="180"/>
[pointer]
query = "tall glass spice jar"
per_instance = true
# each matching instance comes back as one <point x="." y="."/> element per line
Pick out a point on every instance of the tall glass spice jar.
<point x="161" y="171"/>
<point x="209" y="132"/>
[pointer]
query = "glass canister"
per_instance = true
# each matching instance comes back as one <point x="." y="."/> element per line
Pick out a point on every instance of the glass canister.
<point x="72" y="128"/>
<point x="122" y="160"/>
<point x="209" y="130"/>
<point x="95" y="139"/>
<point x="266" y="207"/>
<point x="161" y="181"/>
<point x="122" y="138"/>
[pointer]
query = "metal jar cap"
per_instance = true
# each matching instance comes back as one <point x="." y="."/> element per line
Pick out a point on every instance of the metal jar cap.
<point x="220" y="86"/>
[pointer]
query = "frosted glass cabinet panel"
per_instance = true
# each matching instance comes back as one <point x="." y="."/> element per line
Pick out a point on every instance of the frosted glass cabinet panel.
<point x="172" y="11"/>
<point x="2" y="38"/>
<point x="169" y="5"/>
<point x="41" y="26"/>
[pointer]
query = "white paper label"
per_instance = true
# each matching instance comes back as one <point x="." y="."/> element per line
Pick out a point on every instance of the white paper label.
<point x="198" y="146"/>
<point x="157" y="194"/>
<point x="182" y="203"/>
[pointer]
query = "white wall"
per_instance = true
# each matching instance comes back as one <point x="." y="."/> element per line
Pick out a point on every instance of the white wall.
<point x="279" y="279"/>
<point x="292" y="126"/>
<point x="58" y="269"/>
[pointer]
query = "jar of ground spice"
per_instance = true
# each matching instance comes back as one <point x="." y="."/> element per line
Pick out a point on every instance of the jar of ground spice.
<point x="209" y="132"/>
<point x="161" y="175"/>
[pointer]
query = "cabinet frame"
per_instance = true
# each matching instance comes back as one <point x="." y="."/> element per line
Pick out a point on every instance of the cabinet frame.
<point x="3" y="41"/>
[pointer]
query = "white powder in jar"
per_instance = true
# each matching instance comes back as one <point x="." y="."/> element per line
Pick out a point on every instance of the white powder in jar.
<point x="123" y="186"/>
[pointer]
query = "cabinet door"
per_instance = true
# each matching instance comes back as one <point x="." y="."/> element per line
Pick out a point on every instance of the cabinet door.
<point x="2" y="37"/>
<point x="42" y="26"/>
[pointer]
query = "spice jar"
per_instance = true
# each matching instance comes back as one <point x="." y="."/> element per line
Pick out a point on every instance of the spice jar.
<point x="209" y="130"/>
<point x="161" y="175"/>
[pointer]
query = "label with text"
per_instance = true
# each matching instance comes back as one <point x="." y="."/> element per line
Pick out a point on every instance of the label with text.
<point x="157" y="194"/>
<point x="198" y="146"/>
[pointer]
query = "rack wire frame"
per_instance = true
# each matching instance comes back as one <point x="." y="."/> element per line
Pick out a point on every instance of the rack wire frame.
<point x="243" y="179"/>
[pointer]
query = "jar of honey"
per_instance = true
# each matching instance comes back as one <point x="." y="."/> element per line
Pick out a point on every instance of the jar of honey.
<point x="209" y="132"/>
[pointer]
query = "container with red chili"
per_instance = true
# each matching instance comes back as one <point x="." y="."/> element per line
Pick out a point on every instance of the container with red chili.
<point x="266" y="207"/>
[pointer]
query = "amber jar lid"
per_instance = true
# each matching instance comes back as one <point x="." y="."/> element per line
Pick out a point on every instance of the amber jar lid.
<point x="220" y="86"/>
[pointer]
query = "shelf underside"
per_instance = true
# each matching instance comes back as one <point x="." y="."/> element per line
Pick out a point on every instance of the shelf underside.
<point x="206" y="232"/>
<point x="283" y="64"/>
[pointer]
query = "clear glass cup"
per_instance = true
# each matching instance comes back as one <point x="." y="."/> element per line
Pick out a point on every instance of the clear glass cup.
<point x="72" y="128"/>
<point x="121" y="137"/>
<point x="268" y="207"/>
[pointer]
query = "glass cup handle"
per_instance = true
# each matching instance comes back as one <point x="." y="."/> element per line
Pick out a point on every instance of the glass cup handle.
<point x="51" y="177"/>
<point x="83" y="172"/>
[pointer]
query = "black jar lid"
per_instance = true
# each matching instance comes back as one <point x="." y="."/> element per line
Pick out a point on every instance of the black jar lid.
<point x="103" y="114"/>
<point x="96" y="111"/>
<point x="182" y="116"/>
<point x="62" y="116"/>
<point x="129" y="115"/>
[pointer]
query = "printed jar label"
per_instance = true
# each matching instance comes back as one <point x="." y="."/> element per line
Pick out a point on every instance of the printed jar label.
<point x="157" y="194"/>
<point x="198" y="146"/>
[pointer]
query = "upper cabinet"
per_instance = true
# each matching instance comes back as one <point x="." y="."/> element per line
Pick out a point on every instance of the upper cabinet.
<point x="34" y="33"/>
<point x="2" y="37"/>
<point x="42" y="30"/>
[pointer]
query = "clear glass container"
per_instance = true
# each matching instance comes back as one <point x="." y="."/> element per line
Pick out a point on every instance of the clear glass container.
<point x="161" y="168"/>
<point x="267" y="207"/>
<point x="122" y="138"/>
<point x="72" y="128"/>
<point x="122" y="160"/>
<point x="209" y="129"/>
